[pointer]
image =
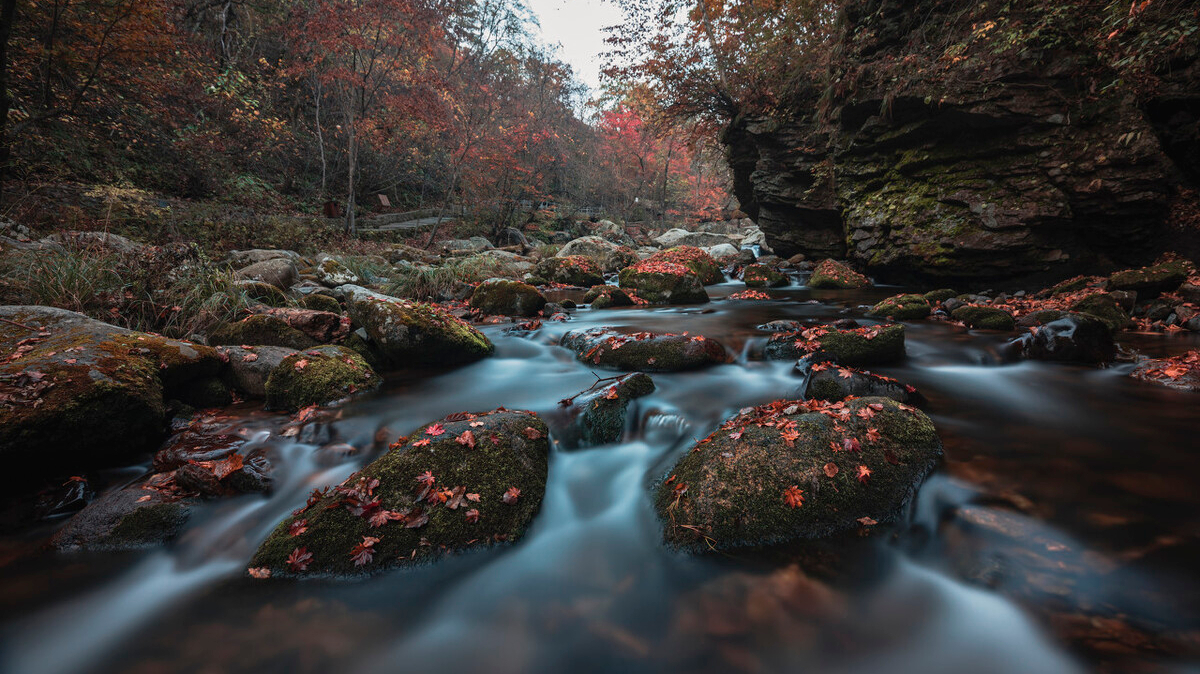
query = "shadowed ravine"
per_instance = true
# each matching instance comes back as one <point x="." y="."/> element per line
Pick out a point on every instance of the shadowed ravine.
<point x="1059" y="532"/>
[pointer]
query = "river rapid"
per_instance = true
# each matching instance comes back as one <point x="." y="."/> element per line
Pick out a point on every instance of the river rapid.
<point x="1062" y="534"/>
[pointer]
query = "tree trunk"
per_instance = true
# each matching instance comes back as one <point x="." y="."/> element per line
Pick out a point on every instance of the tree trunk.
<point x="320" y="136"/>
<point x="8" y="9"/>
<point x="351" y="227"/>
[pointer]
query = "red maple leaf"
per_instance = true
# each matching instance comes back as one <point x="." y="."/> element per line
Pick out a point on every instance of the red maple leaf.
<point x="298" y="527"/>
<point x="831" y="469"/>
<point x="435" y="430"/>
<point x="793" y="496"/>
<point x="790" y="436"/>
<point x="364" y="552"/>
<point x="466" y="438"/>
<point x="299" y="559"/>
<point x="511" y="495"/>
<point x="864" y="474"/>
<point x="851" y="444"/>
<point x="873" y="435"/>
<point x="423" y="442"/>
<point x="532" y="433"/>
<point x="472" y="516"/>
<point x="259" y="572"/>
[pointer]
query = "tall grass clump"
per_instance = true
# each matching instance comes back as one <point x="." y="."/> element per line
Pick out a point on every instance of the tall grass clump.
<point x="441" y="282"/>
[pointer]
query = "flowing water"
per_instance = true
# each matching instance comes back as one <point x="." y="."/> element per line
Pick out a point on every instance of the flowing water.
<point x="1061" y="535"/>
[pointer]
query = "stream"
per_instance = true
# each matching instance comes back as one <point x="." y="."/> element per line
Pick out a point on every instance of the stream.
<point x="1062" y="534"/>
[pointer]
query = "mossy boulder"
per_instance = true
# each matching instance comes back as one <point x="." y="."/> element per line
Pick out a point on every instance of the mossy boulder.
<point x="250" y="366"/>
<point x="507" y="298"/>
<point x="318" y="376"/>
<point x="414" y="334"/>
<point x="465" y="482"/>
<point x="643" y="351"/>
<point x="936" y="297"/>
<point x="319" y="302"/>
<point x="606" y="254"/>
<point x="1071" y="285"/>
<point x="603" y="297"/>
<point x="77" y="393"/>
<point x="762" y="276"/>
<point x="984" y="318"/>
<point x="833" y="383"/>
<point x="872" y="345"/>
<point x="903" y="308"/>
<point x="572" y="270"/>
<point x="128" y="519"/>
<point x="598" y="416"/>
<point x="261" y="330"/>
<point x="280" y="272"/>
<point x="703" y="265"/>
<point x="263" y="292"/>
<point x="1042" y="317"/>
<point x="1080" y="338"/>
<point x="1104" y="307"/>
<point x="323" y="327"/>
<point x="334" y="273"/>
<point x="797" y="470"/>
<point x="663" y="283"/>
<point x="831" y="274"/>
<point x="1151" y="281"/>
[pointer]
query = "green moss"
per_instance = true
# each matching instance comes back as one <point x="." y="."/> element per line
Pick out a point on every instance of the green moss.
<point x="508" y="298"/>
<point x="319" y="302"/>
<point x="409" y="333"/>
<point x="707" y="269"/>
<point x="831" y="274"/>
<point x="572" y="270"/>
<point x="936" y="297"/>
<point x="732" y="490"/>
<point x="762" y="276"/>
<point x="511" y="450"/>
<point x="1104" y="307"/>
<point x="1157" y="278"/>
<point x="903" y="307"/>
<point x="648" y="352"/>
<point x="263" y="292"/>
<point x="602" y="419"/>
<point x="664" y="287"/>
<point x="260" y="330"/>
<point x="318" y="377"/>
<point x="149" y="525"/>
<point x="984" y="318"/>
<point x="206" y="393"/>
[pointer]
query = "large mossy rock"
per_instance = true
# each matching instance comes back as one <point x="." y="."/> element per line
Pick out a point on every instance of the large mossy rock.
<point x="1104" y="307"/>
<point x="77" y="393"/>
<point x="643" y="351"/>
<point x="831" y="274"/>
<point x="333" y="273"/>
<point x="572" y="270"/>
<point x="1149" y="282"/>
<point x="319" y="302"/>
<point x="467" y="481"/>
<point x="703" y="265"/>
<point x="250" y="366"/>
<point x="797" y="470"/>
<point x="322" y="327"/>
<point x="607" y="255"/>
<point x="762" y="276"/>
<point x="127" y="519"/>
<point x="318" y="376"/>
<point x="984" y="318"/>
<point x="598" y="416"/>
<point x="1080" y="338"/>
<point x="833" y="383"/>
<point x="603" y="297"/>
<point x="414" y="334"/>
<point x="261" y="330"/>
<point x="507" y="298"/>
<point x="872" y="345"/>
<point x="903" y="308"/>
<point x="663" y="283"/>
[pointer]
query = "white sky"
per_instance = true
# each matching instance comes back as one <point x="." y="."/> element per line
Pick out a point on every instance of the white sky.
<point x="576" y="26"/>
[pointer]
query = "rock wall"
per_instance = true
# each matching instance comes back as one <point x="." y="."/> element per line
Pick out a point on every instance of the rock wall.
<point x="952" y="141"/>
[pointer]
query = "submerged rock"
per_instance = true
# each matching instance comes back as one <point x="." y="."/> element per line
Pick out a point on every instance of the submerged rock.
<point x="414" y="334"/>
<point x="873" y="345"/>
<point x="598" y="416"/>
<point x="467" y="481"/>
<point x="796" y="469"/>
<point x="903" y="308"/>
<point x="77" y="393"/>
<point x="507" y="298"/>
<point x="762" y="276"/>
<point x="643" y="351"/>
<point x="836" y="275"/>
<point x="1078" y="338"/>
<point x="663" y="283"/>
<point x="1180" y="372"/>
<point x="319" y="376"/>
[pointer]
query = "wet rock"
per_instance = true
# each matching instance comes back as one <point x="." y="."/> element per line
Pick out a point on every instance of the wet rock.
<point x="507" y="298"/>
<point x="746" y="257"/>
<point x="261" y="330"/>
<point x="322" y="326"/>
<point x="319" y="302"/>
<point x="333" y="273"/>
<point x="782" y="326"/>
<point x="643" y="351"/>
<point x="76" y="393"/>
<point x="836" y="275"/>
<point x="1077" y="338"/>
<point x="1152" y="281"/>
<point x="603" y="297"/>
<point x="983" y="318"/>
<point x="598" y="416"/>
<point x="263" y="292"/>
<point x="465" y="482"/>
<point x="408" y="333"/>
<point x="936" y="297"/>
<point x="574" y="270"/>
<point x="249" y="366"/>
<point x="191" y="445"/>
<point x="1190" y="293"/>
<point x="280" y="272"/>
<point x="319" y="376"/>
<point x="762" y="276"/>
<point x="707" y="269"/>
<point x="127" y="519"/>
<point x="815" y="471"/>
<point x="1126" y="299"/>
<point x="607" y="255"/>
<point x="903" y="308"/>
<point x="1104" y="307"/>
<point x="874" y="345"/>
<point x="1181" y="372"/>
<point x="663" y="283"/>
<point x="834" y="383"/>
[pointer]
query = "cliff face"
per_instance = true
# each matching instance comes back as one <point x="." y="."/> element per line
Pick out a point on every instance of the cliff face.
<point x="952" y="141"/>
